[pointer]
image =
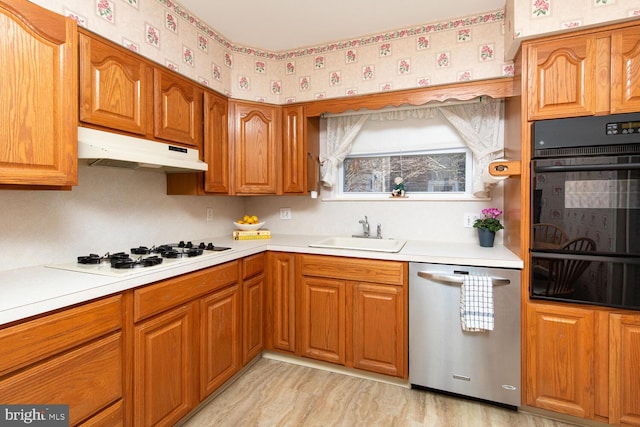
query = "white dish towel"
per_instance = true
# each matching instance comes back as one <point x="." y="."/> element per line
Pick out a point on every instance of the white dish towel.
<point x="476" y="303"/>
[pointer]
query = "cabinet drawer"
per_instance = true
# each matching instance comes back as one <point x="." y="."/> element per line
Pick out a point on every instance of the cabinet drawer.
<point x="362" y="270"/>
<point x="34" y="340"/>
<point x="87" y="379"/>
<point x="163" y="295"/>
<point x="252" y="265"/>
<point x="113" y="416"/>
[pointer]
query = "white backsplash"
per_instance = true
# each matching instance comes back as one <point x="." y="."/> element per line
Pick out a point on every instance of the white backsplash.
<point x="400" y="219"/>
<point x="111" y="209"/>
<point x="116" y="209"/>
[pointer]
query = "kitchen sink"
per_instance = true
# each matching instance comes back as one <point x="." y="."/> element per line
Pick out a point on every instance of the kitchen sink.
<point x="360" y="244"/>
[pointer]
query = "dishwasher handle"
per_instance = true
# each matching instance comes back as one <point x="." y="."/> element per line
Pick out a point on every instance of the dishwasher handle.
<point x="457" y="278"/>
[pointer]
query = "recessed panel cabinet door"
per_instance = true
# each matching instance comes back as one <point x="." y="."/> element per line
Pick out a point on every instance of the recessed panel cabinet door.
<point x="253" y="320"/>
<point x="625" y="70"/>
<point x="294" y="153"/>
<point x="256" y="144"/>
<point x="216" y="143"/>
<point x="559" y="358"/>
<point x="378" y="328"/>
<point x="38" y="96"/>
<point x="221" y="340"/>
<point x="114" y="87"/>
<point x="281" y="313"/>
<point x="561" y="78"/>
<point x="624" y="365"/>
<point x="164" y="365"/>
<point x="323" y="319"/>
<point x="177" y="109"/>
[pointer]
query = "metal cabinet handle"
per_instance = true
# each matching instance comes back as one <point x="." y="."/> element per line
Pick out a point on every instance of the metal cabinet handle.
<point x="457" y="278"/>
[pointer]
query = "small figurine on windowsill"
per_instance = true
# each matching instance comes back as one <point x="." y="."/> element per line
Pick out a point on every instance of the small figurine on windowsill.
<point x="398" y="189"/>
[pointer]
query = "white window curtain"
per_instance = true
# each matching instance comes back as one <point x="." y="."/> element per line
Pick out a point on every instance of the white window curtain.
<point x="342" y="130"/>
<point x="479" y="126"/>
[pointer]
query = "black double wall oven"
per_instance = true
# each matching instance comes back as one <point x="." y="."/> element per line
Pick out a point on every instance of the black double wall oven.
<point x="585" y="189"/>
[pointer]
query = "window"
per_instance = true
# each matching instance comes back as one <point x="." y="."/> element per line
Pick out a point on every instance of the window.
<point x="424" y="172"/>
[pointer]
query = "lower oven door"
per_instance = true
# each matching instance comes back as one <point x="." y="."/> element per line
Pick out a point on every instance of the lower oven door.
<point x="585" y="236"/>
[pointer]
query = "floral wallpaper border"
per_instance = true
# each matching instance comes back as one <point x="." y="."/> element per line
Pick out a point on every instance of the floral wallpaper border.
<point x="484" y="18"/>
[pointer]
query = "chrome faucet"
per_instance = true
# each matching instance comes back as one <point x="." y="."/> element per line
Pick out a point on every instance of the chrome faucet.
<point x="365" y="227"/>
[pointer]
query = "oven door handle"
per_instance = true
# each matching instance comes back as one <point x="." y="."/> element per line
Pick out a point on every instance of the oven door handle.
<point x="457" y="278"/>
<point x="596" y="167"/>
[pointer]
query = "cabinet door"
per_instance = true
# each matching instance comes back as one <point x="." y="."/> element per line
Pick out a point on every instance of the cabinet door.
<point x="624" y="369"/>
<point x="281" y="302"/>
<point x="177" y="109"/>
<point x="625" y="70"/>
<point x="115" y="86"/>
<point x="253" y="320"/>
<point x="322" y="319"/>
<point x="559" y="359"/>
<point x="38" y="98"/>
<point x="561" y="78"/>
<point x="88" y="379"/>
<point x="256" y="145"/>
<point x="164" y="364"/>
<point x="220" y="351"/>
<point x="216" y="143"/>
<point x="294" y="154"/>
<point x="379" y="331"/>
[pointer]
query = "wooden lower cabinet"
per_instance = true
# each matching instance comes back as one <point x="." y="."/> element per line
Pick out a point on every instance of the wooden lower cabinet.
<point x="221" y="338"/>
<point x="559" y="359"/>
<point x="164" y="362"/>
<point x="72" y="356"/>
<point x="583" y="361"/>
<point x="378" y="328"/>
<point x="253" y="294"/>
<point x="353" y="312"/>
<point x="87" y="379"/>
<point x="624" y="369"/>
<point x="280" y="303"/>
<point x="322" y="319"/>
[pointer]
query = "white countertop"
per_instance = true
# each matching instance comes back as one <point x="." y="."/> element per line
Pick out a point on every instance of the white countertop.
<point x="30" y="291"/>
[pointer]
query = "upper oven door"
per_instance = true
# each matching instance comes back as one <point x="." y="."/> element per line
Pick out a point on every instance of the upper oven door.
<point x="594" y="197"/>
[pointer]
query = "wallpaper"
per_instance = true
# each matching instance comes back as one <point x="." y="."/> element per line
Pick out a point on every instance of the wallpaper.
<point x="459" y="49"/>
<point x="532" y="18"/>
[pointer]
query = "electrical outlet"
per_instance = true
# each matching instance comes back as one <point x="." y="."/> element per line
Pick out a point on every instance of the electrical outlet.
<point x="285" y="213"/>
<point x="470" y="218"/>
<point x="209" y="214"/>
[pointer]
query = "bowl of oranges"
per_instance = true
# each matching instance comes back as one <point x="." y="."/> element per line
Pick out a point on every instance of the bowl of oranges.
<point x="249" y="222"/>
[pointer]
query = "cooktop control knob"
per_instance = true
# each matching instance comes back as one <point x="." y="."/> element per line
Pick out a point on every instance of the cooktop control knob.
<point x="210" y="247"/>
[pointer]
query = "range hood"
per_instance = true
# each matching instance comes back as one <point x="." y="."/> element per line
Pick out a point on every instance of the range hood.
<point x="116" y="150"/>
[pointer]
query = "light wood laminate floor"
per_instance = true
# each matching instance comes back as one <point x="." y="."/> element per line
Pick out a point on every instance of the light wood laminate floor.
<point x="275" y="393"/>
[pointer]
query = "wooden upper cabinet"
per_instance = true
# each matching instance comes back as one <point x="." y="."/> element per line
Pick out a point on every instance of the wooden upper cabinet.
<point x="115" y="86"/>
<point x="216" y="143"/>
<point x="177" y="105"/>
<point x="561" y="78"/>
<point x="625" y="70"/>
<point x="38" y="98"/>
<point x="256" y="144"/>
<point x="293" y="150"/>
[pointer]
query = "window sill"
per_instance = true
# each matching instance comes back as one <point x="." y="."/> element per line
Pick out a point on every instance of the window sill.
<point x="410" y="198"/>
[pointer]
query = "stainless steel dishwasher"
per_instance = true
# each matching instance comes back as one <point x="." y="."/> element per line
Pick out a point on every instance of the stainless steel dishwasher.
<point x="442" y="357"/>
